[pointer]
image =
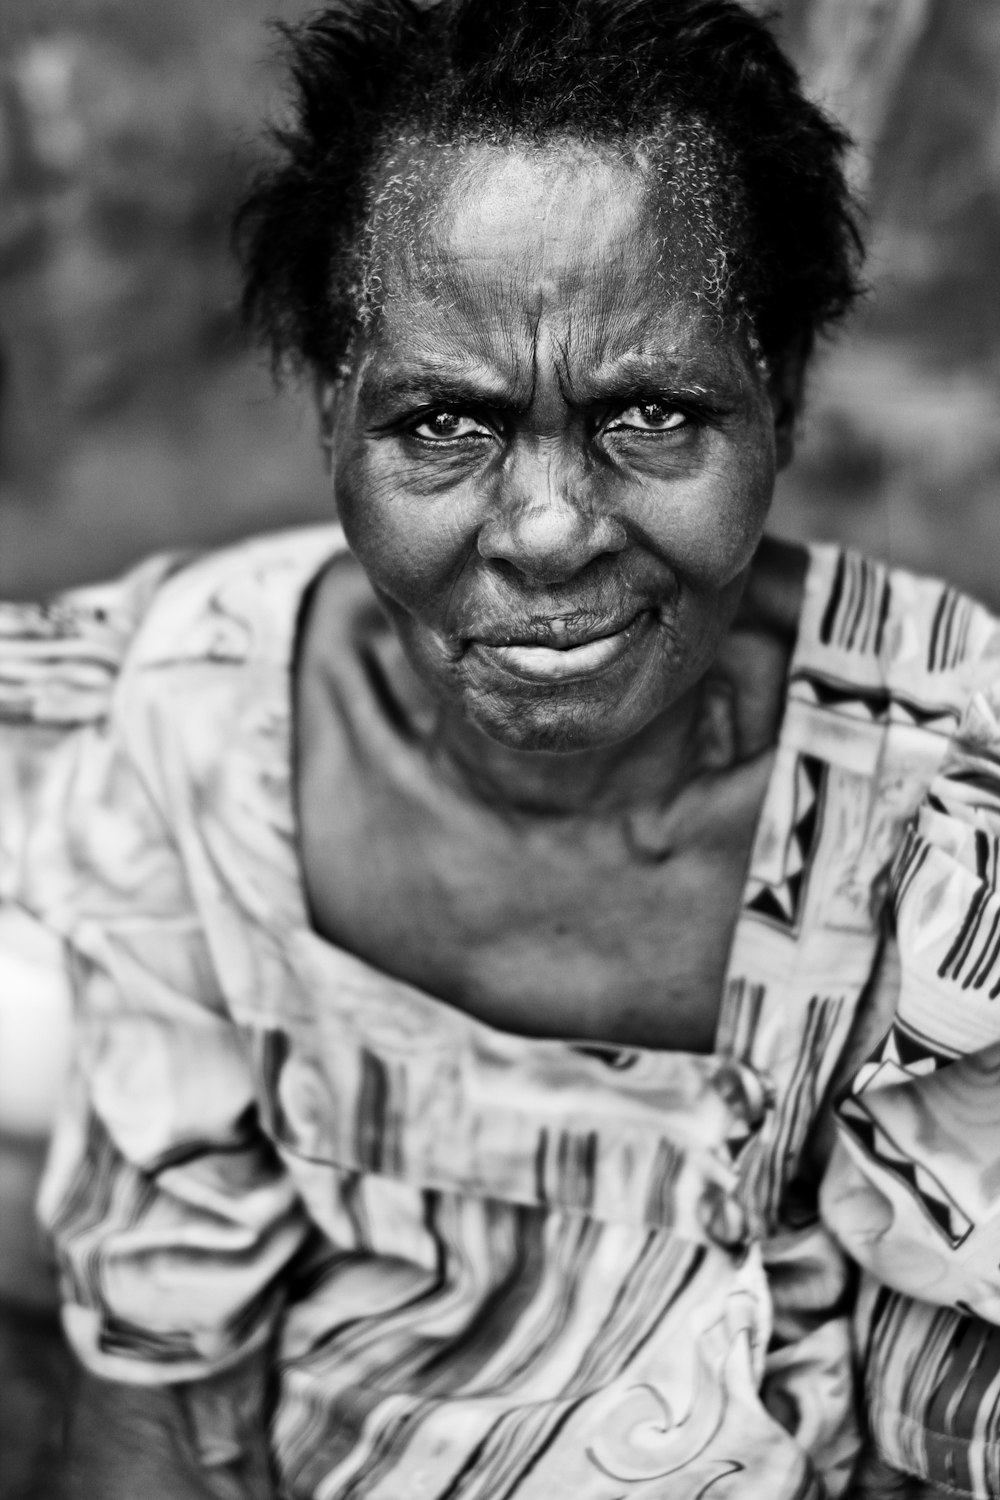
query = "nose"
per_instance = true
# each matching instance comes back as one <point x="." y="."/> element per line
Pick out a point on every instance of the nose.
<point x="548" y="525"/>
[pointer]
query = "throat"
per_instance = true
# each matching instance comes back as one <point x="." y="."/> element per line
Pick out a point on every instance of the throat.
<point x="650" y="768"/>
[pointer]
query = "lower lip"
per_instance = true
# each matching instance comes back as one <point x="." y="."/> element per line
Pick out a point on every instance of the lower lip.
<point x="549" y="664"/>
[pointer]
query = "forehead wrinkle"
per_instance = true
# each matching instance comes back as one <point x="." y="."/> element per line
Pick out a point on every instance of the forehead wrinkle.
<point x="478" y="325"/>
<point x="424" y="185"/>
<point x="418" y="239"/>
<point x="554" y="320"/>
<point x="449" y="352"/>
<point x="628" y="345"/>
<point x="479" y="310"/>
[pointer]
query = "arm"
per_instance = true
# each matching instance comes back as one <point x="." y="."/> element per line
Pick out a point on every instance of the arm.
<point x="172" y="1217"/>
<point x="912" y="1189"/>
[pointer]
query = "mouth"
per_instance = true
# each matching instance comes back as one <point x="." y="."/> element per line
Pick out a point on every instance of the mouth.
<point x="563" y="652"/>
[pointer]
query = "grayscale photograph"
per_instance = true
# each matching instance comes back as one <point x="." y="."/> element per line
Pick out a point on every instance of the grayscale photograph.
<point x="500" y="750"/>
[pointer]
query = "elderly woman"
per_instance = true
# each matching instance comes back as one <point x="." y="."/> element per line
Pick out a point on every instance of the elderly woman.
<point x="474" y="911"/>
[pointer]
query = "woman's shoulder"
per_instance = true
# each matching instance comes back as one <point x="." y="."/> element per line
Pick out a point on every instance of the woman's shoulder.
<point x="235" y="606"/>
<point x="147" y="681"/>
<point x="871" y="645"/>
<point x="911" y="1193"/>
<point x="62" y="659"/>
<point x="896" y="631"/>
<point x="203" y="702"/>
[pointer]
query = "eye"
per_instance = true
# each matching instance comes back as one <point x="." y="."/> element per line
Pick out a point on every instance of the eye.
<point x="448" y="426"/>
<point x="648" y="416"/>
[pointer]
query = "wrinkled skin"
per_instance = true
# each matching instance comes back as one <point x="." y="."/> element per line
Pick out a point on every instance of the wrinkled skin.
<point x="553" y="466"/>
<point x="548" y="439"/>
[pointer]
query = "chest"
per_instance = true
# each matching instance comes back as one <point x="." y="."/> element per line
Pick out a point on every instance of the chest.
<point x="615" y="930"/>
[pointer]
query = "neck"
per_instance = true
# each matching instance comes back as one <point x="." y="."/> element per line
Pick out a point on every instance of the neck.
<point x="649" y="768"/>
<point x="728" y="716"/>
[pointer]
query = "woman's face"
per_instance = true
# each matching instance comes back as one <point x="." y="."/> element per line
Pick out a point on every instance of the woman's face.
<point x="552" y="462"/>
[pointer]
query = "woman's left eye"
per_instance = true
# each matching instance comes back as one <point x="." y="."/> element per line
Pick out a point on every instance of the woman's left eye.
<point x="446" y="426"/>
<point x="648" y="416"/>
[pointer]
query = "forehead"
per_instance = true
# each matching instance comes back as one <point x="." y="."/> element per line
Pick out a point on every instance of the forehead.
<point x="489" y="249"/>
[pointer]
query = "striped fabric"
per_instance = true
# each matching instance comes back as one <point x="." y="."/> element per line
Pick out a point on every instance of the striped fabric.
<point x="495" y="1266"/>
<point x="933" y="1390"/>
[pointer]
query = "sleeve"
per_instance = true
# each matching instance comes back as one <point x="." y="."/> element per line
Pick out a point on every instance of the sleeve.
<point x="171" y="1215"/>
<point x="913" y="1187"/>
<point x="913" y="1190"/>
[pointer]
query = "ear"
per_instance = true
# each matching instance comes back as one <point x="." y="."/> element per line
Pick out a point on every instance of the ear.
<point x="786" y="384"/>
<point x="326" y="393"/>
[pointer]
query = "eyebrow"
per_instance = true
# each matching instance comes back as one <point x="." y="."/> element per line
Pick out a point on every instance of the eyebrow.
<point x="633" y="374"/>
<point x="439" y="380"/>
<point x="660" y="372"/>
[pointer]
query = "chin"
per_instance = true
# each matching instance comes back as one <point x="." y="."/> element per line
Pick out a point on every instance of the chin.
<point x="553" y="727"/>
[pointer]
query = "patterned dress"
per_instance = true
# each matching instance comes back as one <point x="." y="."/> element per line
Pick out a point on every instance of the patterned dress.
<point x="493" y="1266"/>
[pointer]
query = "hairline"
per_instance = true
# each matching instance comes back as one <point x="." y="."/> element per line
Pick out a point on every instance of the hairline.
<point x="641" y="151"/>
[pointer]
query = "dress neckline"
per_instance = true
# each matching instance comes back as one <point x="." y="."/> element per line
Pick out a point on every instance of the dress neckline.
<point x="370" y="972"/>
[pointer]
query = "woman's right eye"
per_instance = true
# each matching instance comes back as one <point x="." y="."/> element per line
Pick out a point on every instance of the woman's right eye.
<point x="448" y="426"/>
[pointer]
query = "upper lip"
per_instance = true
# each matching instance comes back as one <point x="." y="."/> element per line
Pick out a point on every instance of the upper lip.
<point x="558" y="632"/>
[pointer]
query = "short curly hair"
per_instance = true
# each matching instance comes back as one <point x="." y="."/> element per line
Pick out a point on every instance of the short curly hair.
<point x="700" y="85"/>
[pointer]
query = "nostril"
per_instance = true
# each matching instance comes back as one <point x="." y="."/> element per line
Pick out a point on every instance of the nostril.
<point x="549" y="541"/>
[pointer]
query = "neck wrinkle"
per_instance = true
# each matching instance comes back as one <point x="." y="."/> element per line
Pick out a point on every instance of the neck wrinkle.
<point x="651" y="768"/>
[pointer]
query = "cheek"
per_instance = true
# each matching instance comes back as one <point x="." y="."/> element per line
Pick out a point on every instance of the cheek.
<point x="713" y="526"/>
<point x="412" y="548"/>
<point x="748" y="503"/>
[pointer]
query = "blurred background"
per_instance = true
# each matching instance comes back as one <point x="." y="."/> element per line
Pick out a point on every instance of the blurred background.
<point x="133" y="417"/>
